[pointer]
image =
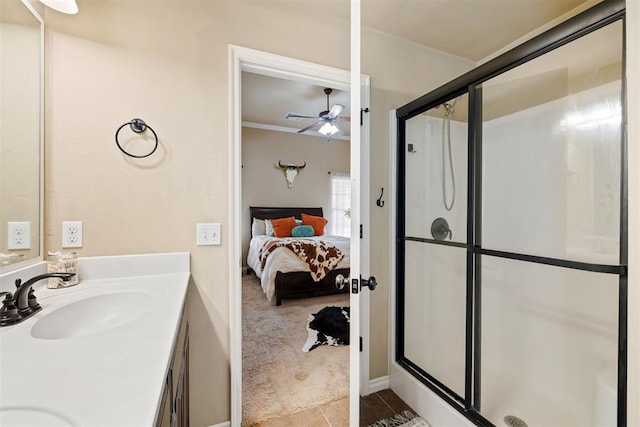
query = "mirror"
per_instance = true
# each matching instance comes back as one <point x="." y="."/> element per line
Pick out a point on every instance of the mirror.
<point x="20" y="134"/>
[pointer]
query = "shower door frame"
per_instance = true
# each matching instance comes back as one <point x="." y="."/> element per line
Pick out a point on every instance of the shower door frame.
<point x="470" y="83"/>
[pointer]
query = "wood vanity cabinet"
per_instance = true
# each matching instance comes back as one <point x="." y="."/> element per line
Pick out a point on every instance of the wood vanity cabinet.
<point x="163" y="419"/>
<point x="174" y="405"/>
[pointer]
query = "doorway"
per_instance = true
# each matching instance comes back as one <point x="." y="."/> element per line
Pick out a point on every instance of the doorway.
<point x="243" y="59"/>
<point x="280" y="375"/>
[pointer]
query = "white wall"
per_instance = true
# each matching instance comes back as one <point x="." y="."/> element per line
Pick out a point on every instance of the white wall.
<point x="548" y="331"/>
<point x="435" y="311"/>
<point x="264" y="184"/>
<point x="424" y="190"/>
<point x="436" y="275"/>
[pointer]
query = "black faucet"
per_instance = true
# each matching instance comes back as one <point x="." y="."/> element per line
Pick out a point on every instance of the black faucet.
<point x="22" y="304"/>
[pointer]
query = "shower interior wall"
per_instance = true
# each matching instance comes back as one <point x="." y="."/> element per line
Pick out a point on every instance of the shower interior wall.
<point x="442" y="297"/>
<point x="549" y="334"/>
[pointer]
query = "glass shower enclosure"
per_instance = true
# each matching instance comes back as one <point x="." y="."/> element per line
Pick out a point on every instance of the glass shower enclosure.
<point x="511" y="232"/>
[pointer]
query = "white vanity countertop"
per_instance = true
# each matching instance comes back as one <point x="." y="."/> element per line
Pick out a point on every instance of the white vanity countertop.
<point x="111" y="371"/>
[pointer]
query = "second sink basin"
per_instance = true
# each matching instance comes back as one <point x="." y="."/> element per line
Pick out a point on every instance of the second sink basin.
<point x="91" y="315"/>
<point x="32" y="416"/>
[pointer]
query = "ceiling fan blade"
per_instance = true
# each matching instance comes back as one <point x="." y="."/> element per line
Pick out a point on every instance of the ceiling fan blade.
<point x="315" y="126"/>
<point x="298" y="116"/>
<point x="335" y="111"/>
<point x="345" y="119"/>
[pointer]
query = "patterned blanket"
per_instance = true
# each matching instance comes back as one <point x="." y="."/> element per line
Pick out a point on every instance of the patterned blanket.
<point x="319" y="256"/>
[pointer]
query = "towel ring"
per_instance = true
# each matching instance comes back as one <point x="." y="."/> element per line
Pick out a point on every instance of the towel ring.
<point x="138" y="126"/>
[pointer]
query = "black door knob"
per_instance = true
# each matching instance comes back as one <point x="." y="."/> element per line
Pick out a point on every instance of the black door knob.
<point x="371" y="283"/>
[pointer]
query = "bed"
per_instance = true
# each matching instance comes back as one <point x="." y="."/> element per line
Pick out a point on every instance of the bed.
<point x="284" y="275"/>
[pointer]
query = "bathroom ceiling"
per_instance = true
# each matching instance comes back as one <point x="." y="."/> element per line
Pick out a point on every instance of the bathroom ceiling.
<point x="472" y="29"/>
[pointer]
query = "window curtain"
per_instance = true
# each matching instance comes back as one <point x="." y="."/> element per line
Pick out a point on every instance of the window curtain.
<point x="340" y="213"/>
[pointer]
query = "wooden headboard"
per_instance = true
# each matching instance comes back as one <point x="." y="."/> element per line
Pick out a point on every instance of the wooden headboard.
<point x="272" y="212"/>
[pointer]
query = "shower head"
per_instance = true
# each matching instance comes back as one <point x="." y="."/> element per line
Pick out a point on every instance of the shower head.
<point x="451" y="108"/>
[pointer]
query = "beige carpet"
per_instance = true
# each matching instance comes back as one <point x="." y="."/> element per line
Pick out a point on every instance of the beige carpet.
<point x="277" y="377"/>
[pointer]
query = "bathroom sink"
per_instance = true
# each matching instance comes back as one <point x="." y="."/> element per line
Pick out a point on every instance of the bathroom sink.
<point x="91" y="315"/>
<point x="19" y="416"/>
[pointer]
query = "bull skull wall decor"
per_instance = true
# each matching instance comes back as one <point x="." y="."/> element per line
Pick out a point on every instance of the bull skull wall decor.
<point x="290" y="172"/>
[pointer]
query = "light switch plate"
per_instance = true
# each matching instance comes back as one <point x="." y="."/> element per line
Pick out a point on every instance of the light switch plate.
<point x="207" y="234"/>
<point x="19" y="235"/>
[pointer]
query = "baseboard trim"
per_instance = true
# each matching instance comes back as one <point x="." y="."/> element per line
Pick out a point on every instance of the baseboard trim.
<point x="224" y="424"/>
<point x="378" y="384"/>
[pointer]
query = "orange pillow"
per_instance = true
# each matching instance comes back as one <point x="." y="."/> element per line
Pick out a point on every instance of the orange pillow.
<point x="282" y="227"/>
<point x="317" y="222"/>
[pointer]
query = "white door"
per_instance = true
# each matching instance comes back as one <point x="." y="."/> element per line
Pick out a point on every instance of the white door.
<point x="360" y="234"/>
<point x="356" y="179"/>
<point x="359" y="301"/>
<point x="354" y="282"/>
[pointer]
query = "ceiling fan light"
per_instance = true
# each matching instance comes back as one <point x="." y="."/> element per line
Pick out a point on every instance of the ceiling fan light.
<point x="65" y="6"/>
<point x="329" y="129"/>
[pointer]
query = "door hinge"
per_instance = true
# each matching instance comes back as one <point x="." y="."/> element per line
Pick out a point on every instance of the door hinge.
<point x="361" y="232"/>
<point x="361" y="344"/>
<point x="362" y="111"/>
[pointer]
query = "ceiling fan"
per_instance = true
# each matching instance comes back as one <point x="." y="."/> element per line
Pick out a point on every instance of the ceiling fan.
<point x="328" y="122"/>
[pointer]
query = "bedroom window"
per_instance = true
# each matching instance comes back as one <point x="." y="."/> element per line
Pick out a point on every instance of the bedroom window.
<point x="339" y="215"/>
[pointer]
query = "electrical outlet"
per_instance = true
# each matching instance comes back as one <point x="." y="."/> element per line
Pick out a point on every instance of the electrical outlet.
<point x="208" y="234"/>
<point x="19" y="235"/>
<point x="71" y="234"/>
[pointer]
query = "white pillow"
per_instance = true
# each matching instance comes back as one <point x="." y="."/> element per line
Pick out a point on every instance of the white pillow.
<point x="269" y="228"/>
<point x="258" y="227"/>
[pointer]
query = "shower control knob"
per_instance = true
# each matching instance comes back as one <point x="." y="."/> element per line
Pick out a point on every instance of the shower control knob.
<point x="440" y="229"/>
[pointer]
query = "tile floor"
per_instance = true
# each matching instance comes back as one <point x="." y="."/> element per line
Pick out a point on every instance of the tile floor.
<point x="376" y="406"/>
